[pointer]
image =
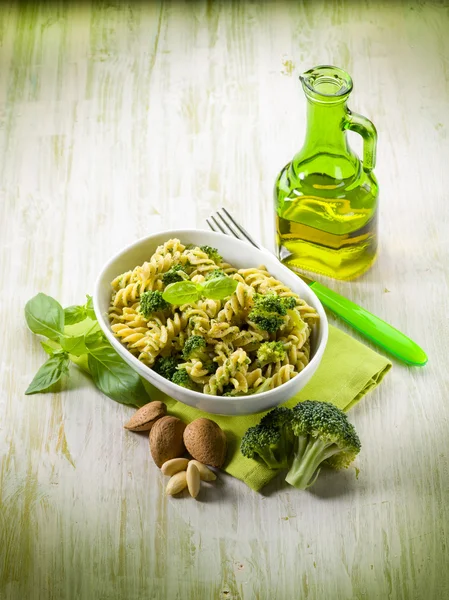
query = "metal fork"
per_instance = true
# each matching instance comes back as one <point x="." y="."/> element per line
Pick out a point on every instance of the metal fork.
<point x="373" y="328"/>
<point x="228" y="225"/>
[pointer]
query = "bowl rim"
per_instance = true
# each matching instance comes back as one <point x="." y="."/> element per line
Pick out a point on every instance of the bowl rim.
<point x="194" y="395"/>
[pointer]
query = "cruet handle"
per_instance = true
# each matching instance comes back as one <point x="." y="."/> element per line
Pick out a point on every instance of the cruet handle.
<point x="366" y="129"/>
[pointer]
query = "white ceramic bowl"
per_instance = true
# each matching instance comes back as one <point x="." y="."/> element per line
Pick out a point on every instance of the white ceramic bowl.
<point x="241" y="255"/>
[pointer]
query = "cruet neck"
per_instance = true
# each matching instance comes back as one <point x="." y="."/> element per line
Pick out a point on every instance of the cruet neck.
<point x="326" y="84"/>
<point x="327" y="89"/>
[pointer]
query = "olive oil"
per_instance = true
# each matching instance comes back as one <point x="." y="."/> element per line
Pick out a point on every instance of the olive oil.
<point x="326" y="198"/>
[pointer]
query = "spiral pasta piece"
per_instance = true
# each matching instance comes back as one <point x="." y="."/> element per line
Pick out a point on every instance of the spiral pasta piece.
<point x="238" y="305"/>
<point x="284" y="374"/>
<point x="236" y="363"/>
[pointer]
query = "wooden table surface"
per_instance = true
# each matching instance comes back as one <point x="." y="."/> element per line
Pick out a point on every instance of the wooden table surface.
<point x="121" y="119"/>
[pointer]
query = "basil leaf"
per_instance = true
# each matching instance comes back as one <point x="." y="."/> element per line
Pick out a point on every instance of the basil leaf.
<point x="44" y="316"/>
<point x="73" y="344"/>
<point x="50" y="372"/>
<point x="219" y="287"/>
<point x="95" y="339"/>
<point x="48" y="349"/>
<point x="90" y="308"/>
<point x="181" y="292"/>
<point x="115" y="378"/>
<point x="74" y="314"/>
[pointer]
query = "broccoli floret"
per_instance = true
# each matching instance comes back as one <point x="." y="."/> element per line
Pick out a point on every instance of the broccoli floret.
<point x="215" y="273"/>
<point x="166" y="366"/>
<point x="323" y="434"/>
<point x="172" y="275"/>
<point x="271" y="441"/>
<point x="212" y="253"/>
<point x="181" y="377"/>
<point x="267" y="321"/>
<point x="271" y="303"/>
<point x="151" y="302"/>
<point x="194" y="347"/>
<point x="270" y="352"/>
<point x="278" y="417"/>
<point x="289" y="302"/>
<point x="268" y="311"/>
<point x="211" y="366"/>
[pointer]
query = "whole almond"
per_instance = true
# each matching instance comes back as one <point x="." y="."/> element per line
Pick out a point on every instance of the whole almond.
<point x="146" y="416"/>
<point x="174" y="465"/>
<point x="193" y="480"/>
<point x="205" y="473"/>
<point x="166" y="440"/>
<point x="176" y="484"/>
<point x="206" y="442"/>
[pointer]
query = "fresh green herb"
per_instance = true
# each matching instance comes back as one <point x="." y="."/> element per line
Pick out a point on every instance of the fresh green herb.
<point x="74" y="344"/>
<point x="151" y="302"/>
<point x="49" y="373"/>
<point x="77" y="313"/>
<point x="212" y="253"/>
<point x="219" y="288"/>
<point x="48" y="348"/>
<point x="110" y="373"/>
<point x="182" y="292"/>
<point x="90" y="308"/>
<point x="187" y="292"/>
<point x="44" y="316"/>
<point x="74" y="314"/>
<point x="114" y="377"/>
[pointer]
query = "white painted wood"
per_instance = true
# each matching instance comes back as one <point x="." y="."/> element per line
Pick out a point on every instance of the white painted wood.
<point x="121" y="119"/>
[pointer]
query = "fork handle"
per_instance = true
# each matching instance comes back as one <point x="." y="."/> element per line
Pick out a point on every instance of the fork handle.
<point x="373" y="328"/>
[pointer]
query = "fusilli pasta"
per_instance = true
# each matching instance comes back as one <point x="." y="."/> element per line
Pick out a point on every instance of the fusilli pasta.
<point x="229" y="359"/>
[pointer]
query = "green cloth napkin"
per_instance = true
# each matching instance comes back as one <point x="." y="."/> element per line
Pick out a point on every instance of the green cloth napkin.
<point x="347" y="372"/>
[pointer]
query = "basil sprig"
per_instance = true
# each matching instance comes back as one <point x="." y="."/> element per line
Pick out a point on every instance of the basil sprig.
<point x="110" y="373"/>
<point x="188" y="292"/>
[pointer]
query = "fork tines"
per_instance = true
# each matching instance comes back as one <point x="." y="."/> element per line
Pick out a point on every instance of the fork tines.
<point x="223" y="222"/>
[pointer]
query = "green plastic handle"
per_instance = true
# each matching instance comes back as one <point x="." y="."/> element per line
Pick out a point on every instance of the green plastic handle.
<point x="378" y="331"/>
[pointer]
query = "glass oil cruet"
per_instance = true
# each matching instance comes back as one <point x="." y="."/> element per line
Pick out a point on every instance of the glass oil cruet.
<point x="326" y="197"/>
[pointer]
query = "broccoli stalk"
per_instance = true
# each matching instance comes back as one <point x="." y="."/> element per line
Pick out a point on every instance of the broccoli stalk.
<point x="323" y="435"/>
